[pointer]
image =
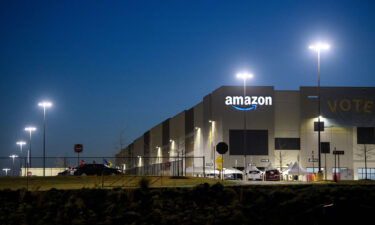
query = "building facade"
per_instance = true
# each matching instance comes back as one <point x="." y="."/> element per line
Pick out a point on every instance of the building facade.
<point x="265" y="126"/>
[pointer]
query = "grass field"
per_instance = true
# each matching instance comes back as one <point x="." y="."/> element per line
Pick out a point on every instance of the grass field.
<point x="77" y="182"/>
<point x="280" y="204"/>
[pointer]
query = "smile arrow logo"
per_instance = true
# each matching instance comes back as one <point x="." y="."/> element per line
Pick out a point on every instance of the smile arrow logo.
<point x="245" y="109"/>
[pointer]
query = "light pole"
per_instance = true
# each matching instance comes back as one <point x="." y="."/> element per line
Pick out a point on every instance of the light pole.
<point x="244" y="76"/>
<point x="318" y="48"/>
<point x="44" y="105"/>
<point x="21" y="143"/>
<point x="30" y="130"/>
<point x="6" y="171"/>
<point x="13" y="157"/>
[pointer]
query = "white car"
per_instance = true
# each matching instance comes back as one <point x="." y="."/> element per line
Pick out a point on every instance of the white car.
<point x="255" y="175"/>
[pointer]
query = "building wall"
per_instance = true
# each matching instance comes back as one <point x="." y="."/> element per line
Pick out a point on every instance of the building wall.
<point x="227" y="118"/>
<point x="199" y="141"/>
<point x="177" y="135"/>
<point x="291" y="115"/>
<point x="138" y="152"/>
<point x="156" y="143"/>
<point x="287" y="125"/>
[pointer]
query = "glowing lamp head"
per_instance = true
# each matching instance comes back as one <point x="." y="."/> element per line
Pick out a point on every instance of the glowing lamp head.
<point x="45" y="104"/>
<point x="244" y="75"/>
<point x="320" y="46"/>
<point x="30" y="129"/>
<point x="13" y="156"/>
<point x="21" y="143"/>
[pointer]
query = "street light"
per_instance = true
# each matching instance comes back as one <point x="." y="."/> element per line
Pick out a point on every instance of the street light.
<point x="21" y="143"/>
<point x="30" y="130"/>
<point x="13" y="157"/>
<point x="6" y="171"/>
<point x="245" y="76"/>
<point x="44" y="105"/>
<point x="318" y="47"/>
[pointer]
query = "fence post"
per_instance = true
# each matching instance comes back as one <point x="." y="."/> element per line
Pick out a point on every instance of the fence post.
<point x="27" y="175"/>
<point x="204" y="167"/>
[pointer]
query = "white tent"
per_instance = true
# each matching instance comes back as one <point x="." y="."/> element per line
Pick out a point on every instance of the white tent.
<point x="270" y="167"/>
<point x="290" y="165"/>
<point x="253" y="168"/>
<point x="296" y="170"/>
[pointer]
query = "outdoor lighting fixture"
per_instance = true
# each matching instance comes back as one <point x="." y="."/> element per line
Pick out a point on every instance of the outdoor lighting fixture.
<point x="13" y="156"/>
<point x="320" y="46"/>
<point x="21" y="143"/>
<point x="245" y="75"/>
<point x="45" y="105"/>
<point x="30" y="130"/>
<point x="6" y="171"/>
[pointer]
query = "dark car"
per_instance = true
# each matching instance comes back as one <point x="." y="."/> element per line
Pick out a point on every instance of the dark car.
<point x="95" y="169"/>
<point x="67" y="172"/>
<point x="272" y="175"/>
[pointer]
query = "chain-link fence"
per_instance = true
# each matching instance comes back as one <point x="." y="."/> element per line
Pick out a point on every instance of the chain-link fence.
<point x="156" y="166"/>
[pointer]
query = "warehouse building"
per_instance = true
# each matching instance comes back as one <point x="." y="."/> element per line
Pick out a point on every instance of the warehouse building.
<point x="265" y="126"/>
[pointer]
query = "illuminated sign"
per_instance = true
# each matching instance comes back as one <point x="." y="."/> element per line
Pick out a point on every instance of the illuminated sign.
<point x="248" y="102"/>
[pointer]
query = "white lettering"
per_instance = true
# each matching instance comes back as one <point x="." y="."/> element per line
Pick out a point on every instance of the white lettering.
<point x="247" y="100"/>
<point x="255" y="102"/>
<point x="268" y="100"/>
<point x="237" y="100"/>
<point x="228" y="100"/>
<point x="261" y="100"/>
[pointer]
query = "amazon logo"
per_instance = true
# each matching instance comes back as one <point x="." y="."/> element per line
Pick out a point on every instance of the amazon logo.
<point x="248" y="102"/>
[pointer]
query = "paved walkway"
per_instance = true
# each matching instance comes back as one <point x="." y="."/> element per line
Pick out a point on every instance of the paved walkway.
<point x="272" y="182"/>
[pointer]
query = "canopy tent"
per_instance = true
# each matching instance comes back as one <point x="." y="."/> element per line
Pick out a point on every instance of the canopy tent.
<point x="296" y="169"/>
<point x="290" y="165"/>
<point x="253" y="168"/>
<point x="270" y="167"/>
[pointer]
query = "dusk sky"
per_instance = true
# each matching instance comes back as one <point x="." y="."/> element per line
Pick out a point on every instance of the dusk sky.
<point x="113" y="66"/>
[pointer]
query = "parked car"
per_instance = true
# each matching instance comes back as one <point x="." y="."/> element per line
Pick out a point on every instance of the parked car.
<point x="255" y="175"/>
<point x="272" y="175"/>
<point x="232" y="174"/>
<point x="95" y="169"/>
<point x="68" y="172"/>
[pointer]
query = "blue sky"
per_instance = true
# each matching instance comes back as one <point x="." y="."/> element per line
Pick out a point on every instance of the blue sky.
<point x="112" y="66"/>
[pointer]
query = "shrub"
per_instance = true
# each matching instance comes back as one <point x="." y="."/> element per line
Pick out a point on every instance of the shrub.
<point x="144" y="183"/>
